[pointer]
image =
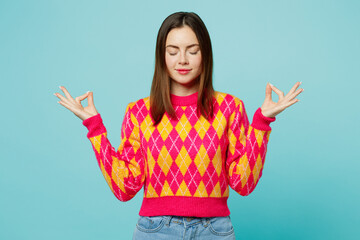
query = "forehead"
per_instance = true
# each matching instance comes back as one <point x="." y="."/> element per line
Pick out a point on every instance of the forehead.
<point x="183" y="36"/>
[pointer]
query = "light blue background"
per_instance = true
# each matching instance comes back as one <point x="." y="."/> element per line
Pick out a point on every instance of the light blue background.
<point x="50" y="183"/>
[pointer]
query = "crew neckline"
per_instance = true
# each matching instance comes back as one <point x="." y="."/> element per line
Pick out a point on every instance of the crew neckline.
<point x="184" y="100"/>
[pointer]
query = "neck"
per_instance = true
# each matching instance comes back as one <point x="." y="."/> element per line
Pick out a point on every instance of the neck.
<point x="184" y="90"/>
<point x="187" y="100"/>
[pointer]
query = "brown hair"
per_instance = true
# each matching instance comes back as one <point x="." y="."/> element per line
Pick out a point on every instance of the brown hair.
<point x="160" y="89"/>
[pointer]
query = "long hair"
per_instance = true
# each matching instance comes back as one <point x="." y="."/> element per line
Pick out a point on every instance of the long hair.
<point x="160" y="101"/>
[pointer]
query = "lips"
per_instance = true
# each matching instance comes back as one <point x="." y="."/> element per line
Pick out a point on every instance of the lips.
<point x="183" y="71"/>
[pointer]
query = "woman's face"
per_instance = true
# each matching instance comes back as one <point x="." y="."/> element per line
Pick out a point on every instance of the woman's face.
<point x="183" y="60"/>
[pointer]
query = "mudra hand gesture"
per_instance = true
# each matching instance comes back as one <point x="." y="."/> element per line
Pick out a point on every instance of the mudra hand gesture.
<point x="75" y="106"/>
<point x="271" y="108"/>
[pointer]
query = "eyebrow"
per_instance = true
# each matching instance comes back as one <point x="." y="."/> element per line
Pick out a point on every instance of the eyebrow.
<point x="190" y="46"/>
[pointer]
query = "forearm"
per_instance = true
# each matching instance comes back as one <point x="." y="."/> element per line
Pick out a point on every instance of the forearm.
<point x="246" y="170"/>
<point x="121" y="170"/>
<point x="247" y="151"/>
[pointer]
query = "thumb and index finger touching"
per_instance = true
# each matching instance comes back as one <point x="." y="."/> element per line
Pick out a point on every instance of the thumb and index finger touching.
<point x="277" y="91"/>
<point x="88" y="95"/>
<point x="68" y="98"/>
<point x="291" y="94"/>
<point x="82" y="97"/>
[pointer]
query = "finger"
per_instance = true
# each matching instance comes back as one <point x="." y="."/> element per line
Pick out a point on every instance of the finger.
<point x="277" y="91"/>
<point x="91" y="99"/>
<point x="292" y="90"/>
<point x="82" y="97"/>
<point x="291" y="102"/>
<point x="62" y="98"/>
<point x="295" y="94"/>
<point x="268" y="92"/>
<point x="67" y="94"/>
<point x="72" y="109"/>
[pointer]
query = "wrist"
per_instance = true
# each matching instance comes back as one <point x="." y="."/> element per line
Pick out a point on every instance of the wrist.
<point x="262" y="122"/>
<point x="266" y="113"/>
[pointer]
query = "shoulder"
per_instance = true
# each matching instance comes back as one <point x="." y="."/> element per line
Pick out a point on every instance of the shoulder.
<point x="139" y="104"/>
<point x="139" y="109"/>
<point x="230" y="100"/>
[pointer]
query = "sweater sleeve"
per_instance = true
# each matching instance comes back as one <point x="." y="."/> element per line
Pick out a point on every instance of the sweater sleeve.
<point x="123" y="169"/>
<point x="247" y="148"/>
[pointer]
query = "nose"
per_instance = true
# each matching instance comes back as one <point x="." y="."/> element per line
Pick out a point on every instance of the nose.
<point x="183" y="59"/>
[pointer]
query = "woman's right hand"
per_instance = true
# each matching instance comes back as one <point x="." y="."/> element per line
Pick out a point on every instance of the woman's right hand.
<point x="75" y="106"/>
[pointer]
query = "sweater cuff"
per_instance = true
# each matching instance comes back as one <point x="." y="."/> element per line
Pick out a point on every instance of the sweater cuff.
<point x="261" y="122"/>
<point x="95" y="125"/>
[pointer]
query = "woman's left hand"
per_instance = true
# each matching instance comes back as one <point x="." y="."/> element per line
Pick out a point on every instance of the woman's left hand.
<point x="271" y="108"/>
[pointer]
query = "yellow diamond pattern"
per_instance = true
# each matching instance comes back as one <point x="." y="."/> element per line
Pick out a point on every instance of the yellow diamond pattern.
<point x="119" y="169"/>
<point x="244" y="169"/>
<point x="202" y="160"/>
<point x="164" y="160"/>
<point x="232" y="138"/>
<point x="135" y="131"/>
<point x="257" y="168"/>
<point x="201" y="190"/>
<point x="147" y="128"/>
<point x="165" y="127"/>
<point x="166" y="190"/>
<point x="183" y="190"/>
<point x="151" y="162"/>
<point x="219" y="98"/>
<point x="259" y="136"/>
<point x="183" y="127"/>
<point x="219" y="124"/>
<point x="96" y="141"/>
<point x="216" y="192"/>
<point x="183" y="160"/>
<point x="202" y="125"/>
<point x="151" y="192"/>
<point x="217" y="161"/>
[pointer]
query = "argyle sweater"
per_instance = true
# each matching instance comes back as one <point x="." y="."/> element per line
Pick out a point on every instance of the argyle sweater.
<point x="186" y="164"/>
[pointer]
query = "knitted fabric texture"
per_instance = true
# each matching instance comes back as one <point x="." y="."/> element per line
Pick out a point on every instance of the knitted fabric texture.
<point x="187" y="164"/>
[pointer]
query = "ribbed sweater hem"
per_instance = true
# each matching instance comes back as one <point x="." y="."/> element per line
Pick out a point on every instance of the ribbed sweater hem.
<point x="185" y="206"/>
<point x="261" y="122"/>
<point x="95" y="125"/>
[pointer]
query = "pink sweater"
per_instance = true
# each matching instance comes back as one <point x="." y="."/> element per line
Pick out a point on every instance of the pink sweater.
<point x="187" y="164"/>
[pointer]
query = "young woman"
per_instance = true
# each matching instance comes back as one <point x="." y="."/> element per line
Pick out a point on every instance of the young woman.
<point x="185" y="143"/>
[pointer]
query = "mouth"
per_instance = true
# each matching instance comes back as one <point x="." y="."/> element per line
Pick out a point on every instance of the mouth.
<point x="183" y="71"/>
